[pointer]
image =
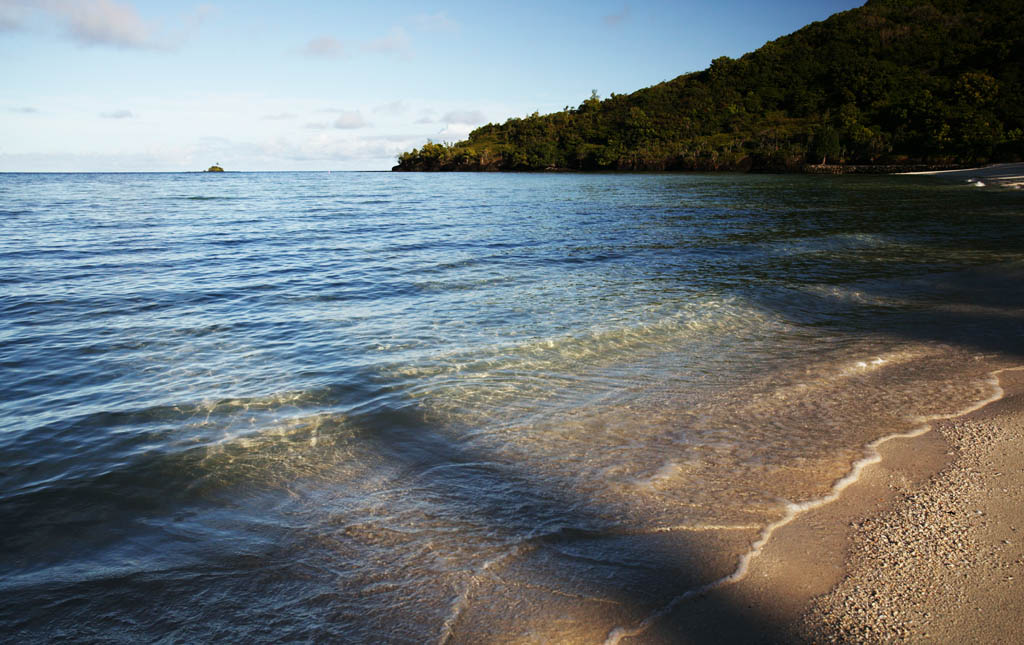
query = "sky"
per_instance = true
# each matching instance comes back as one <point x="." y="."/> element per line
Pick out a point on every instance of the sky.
<point x="121" y="85"/>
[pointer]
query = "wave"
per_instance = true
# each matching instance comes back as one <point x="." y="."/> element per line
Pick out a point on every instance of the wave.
<point x="536" y="368"/>
<point x="199" y="445"/>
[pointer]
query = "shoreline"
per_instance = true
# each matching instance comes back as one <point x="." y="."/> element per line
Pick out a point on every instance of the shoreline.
<point x="907" y="554"/>
<point x="945" y="562"/>
<point x="1009" y="175"/>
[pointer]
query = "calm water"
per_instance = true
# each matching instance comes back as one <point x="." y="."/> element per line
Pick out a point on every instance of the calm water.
<point x="374" y="407"/>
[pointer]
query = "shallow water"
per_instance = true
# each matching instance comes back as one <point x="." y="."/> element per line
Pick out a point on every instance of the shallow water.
<point x="378" y="407"/>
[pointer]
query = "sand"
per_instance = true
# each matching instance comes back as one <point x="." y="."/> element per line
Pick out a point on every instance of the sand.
<point x="926" y="546"/>
<point x="1010" y="175"/>
<point x="940" y="561"/>
<point x="946" y="563"/>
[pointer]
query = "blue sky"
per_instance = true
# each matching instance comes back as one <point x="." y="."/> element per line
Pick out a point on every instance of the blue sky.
<point x="117" y="85"/>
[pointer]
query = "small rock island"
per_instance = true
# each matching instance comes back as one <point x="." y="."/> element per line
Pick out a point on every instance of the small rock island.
<point x="214" y="168"/>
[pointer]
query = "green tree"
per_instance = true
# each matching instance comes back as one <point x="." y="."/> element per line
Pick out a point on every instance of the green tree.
<point x="893" y="80"/>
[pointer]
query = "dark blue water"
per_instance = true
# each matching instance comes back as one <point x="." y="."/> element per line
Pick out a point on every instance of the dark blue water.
<point x="373" y="407"/>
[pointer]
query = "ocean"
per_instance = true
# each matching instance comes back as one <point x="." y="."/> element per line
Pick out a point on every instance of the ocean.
<point x="458" y="408"/>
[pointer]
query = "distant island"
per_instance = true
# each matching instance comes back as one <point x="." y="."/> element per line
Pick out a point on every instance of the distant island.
<point x="933" y="83"/>
<point x="214" y="168"/>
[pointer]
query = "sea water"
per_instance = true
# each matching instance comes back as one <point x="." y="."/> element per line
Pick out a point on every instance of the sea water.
<point x="408" y="408"/>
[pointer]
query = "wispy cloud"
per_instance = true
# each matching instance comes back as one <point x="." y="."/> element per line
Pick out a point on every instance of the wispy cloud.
<point x="199" y="16"/>
<point x="118" y="114"/>
<point x="11" y="17"/>
<point x="616" y="19"/>
<point x="282" y="116"/>
<point x="464" y="117"/>
<point x="325" y="46"/>
<point x="24" y="110"/>
<point x="319" y="149"/>
<point x="435" y="22"/>
<point x="346" y="120"/>
<point x="102" y="22"/>
<point x="393" y="108"/>
<point x="350" y="120"/>
<point x="396" y="42"/>
<point x="427" y="115"/>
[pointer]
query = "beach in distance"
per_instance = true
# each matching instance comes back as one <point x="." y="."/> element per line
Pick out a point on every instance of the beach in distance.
<point x="379" y="407"/>
<point x="1009" y="175"/>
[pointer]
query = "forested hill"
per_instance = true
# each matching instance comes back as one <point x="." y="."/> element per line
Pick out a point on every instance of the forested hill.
<point x="894" y="81"/>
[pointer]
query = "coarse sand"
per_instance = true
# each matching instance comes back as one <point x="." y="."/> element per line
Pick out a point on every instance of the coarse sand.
<point x="926" y="546"/>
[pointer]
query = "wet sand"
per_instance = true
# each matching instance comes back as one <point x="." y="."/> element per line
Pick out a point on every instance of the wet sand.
<point x="927" y="545"/>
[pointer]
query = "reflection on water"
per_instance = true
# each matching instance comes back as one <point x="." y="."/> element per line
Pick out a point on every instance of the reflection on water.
<point x="407" y="408"/>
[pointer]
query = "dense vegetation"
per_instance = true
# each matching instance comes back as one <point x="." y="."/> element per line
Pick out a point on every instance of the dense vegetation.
<point x="894" y="81"/>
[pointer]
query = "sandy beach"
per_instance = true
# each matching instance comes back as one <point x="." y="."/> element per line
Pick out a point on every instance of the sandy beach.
<point x="945" y="563"/>
<point x="1010" y="175"/>
<point x="927" y="545"/>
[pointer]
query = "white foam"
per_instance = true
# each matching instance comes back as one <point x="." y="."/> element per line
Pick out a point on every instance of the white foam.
<point x="794" y="510"/>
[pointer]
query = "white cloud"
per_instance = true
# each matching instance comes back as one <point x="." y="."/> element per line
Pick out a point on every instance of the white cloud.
<point x="320" y="150"/>
<point x="397" y="43"/>
<point x="350" y="120"/>
<point x="24" y="110"/>
<point x="325" y="46"/>
<point x="118" y="114"/>
<point x="393" y="108"/>
<point x="464" y="117"/>
<point x="435" y="22"/>
<point x="104" y="22"/>
<point x="280" y="116"/>
<point x="455" y="132"/>
<point x="309" y="150"/>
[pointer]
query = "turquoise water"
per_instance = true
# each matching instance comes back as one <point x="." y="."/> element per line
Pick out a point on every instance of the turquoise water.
<point x="406" y="408"/>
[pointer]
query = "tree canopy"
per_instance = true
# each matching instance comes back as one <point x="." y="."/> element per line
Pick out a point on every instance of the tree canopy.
<point x="894" y="81"/>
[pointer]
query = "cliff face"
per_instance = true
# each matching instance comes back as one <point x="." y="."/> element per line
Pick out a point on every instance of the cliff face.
<point x="892" y="82"/>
